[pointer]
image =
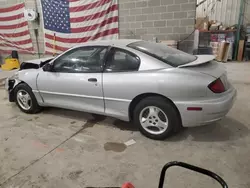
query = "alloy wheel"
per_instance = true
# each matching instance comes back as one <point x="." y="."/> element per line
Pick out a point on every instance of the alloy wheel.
<point x="153" y="120"/>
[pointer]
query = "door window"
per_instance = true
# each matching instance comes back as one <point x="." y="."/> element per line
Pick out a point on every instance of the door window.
<point x="122" y="61"/>
<point x="81" y="60"/>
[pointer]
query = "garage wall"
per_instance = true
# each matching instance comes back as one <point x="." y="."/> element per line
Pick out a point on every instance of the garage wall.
<point x="164" y="19"/>
<point x="246" y="17"/>
<point x="140" y="19"/>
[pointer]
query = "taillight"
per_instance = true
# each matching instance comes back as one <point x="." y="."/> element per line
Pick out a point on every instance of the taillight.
<point x="217" y="86"/>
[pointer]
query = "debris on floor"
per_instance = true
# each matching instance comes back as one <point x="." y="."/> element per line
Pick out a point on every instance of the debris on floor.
<point x="130" y="142"/>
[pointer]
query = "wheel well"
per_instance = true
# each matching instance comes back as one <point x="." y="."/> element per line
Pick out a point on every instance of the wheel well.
<point x="138" y="98"/>
<point x="12" y="91"/>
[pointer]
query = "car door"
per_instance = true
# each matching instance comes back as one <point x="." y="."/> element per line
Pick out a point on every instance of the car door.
<point x="120" y="81"/>
<point x="75" y="81"/>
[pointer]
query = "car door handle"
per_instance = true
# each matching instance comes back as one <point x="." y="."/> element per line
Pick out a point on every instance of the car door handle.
<point x="92" y="80"/>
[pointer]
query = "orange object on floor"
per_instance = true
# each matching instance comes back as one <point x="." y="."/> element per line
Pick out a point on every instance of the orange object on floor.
<point x="127" y="185"/>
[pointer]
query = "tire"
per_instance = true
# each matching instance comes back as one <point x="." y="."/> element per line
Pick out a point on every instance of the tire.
<point x="165" y="118"/>
<point x="24" y="88"/>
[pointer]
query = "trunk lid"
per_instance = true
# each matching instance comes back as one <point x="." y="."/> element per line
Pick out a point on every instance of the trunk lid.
<point x="205" y="64"/>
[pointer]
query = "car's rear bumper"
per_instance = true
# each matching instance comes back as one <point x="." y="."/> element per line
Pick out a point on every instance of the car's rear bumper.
<point x="212" y="109"/>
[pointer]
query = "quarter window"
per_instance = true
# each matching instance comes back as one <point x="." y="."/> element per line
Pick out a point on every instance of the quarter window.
<point x="81" y="60"/>
<point x="122" y="61"/>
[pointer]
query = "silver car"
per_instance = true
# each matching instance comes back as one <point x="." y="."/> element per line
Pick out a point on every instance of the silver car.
<point x="159" y="88"/>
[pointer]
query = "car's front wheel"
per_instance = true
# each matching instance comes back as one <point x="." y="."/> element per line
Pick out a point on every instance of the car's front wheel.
<point x="156" y="118"/>
<point x="25" y="99"/>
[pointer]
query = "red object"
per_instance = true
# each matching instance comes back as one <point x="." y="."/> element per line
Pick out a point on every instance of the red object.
<point x="127" y="185"/>
<point x="217" y="86"/>
<point x="214" y="37"/>
<point x="194" y="109"/>
<point x="217" y="31"/>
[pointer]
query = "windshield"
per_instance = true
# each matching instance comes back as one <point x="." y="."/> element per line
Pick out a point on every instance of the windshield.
<point x="163" y="52"/>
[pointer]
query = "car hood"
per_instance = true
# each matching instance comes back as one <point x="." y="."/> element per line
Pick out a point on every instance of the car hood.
<point x="35" y="63"/>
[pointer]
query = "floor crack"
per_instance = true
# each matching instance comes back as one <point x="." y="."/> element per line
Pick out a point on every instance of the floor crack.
<point x="89" y="123"/>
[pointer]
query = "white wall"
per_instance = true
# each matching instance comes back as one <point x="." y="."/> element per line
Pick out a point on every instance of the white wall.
<point x="226" y="11"/>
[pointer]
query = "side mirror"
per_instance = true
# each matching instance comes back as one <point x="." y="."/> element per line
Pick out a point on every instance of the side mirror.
<point x="47" y="67"/>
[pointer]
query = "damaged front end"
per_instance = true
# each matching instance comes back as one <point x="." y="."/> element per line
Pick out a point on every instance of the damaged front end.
<point x="35" y="64"/>
<point x="25" y="75"/>
<point x="10" y="85"/>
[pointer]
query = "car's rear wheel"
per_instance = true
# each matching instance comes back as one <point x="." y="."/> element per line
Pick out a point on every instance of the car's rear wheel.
<point x="25" y="99"/>
<point x="156" y="118"/>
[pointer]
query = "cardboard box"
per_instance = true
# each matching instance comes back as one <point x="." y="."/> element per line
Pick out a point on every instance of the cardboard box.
<point x="202" y="23"/>
<point x="221" y="37"/>
<point x="215" y="47"/>
<point x="240" y="50"/>
<point x="230" y="53"/>
<point x="223" y="51"/>
<point x="214" y="44"/>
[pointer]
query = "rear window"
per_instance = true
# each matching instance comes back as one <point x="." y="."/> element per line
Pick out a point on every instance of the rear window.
<point x="163" y="52"/>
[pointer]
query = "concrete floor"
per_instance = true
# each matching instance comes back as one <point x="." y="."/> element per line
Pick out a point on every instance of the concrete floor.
<point x="28" y="158"/>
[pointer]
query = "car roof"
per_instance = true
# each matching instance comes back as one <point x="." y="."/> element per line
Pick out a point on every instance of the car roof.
<point x="115" y="42"/>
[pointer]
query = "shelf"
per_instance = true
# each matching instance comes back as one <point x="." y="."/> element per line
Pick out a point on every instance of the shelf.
<point x="217" y="31"/>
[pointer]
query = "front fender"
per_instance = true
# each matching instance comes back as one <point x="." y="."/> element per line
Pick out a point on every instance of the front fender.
<point x="29" y="77"/>
<point x="10" y="85"/>
<point x="24" y="76"/>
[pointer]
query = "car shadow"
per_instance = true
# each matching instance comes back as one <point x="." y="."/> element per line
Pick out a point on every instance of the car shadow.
<point x="75" y="115"/>
<point x="83" y="116"/>
<point x="224" y="130"/>
<point x="123" y="125"/>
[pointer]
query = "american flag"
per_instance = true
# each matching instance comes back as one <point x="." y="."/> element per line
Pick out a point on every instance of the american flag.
<point x="14" y="31"/>
<point x="70" y="22"/>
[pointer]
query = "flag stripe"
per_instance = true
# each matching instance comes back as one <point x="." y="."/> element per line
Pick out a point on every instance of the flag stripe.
<point x="49" y="52"/>
<point x="81" y="2"/>
<point x="56" y="47"/>
<point x="20" y="42"/>
<point x="11" y="49"/>
<point x="95" y="26"/>
<point x="50" y="47"/>
<point x="12" y="8"/>
<point x="9" y="18"/>
<point x="90" y="11"/>
<point x="16" y="39"/>
<point x="89" y="6"/>
<point x="59" y="49"/>
<point x="14" y="31"/>
<point x="12" y="22"/>
<point x="13" y="35"/>
<point x="28" y="47"/>
<point x="11" y="31"/>
<point x="94" y="16"/>
<point x="94" y="22"/>
<point x="84" y="39"/>
<point x="83" y="34"/>
<point x="11" y="13"/>
<point x="14" y="26"/>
